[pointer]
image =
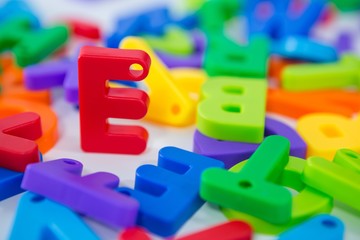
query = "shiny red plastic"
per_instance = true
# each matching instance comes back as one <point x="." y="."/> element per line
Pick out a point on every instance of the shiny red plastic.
<point x="98" y="102"/>
<point x="17" y="137"/>
<point x="233" y="230"/>
<point x="85" y="29"/>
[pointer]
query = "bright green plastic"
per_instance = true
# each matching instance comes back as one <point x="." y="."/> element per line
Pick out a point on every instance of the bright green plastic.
<point x="339" y="179"/>
<point x="232" y="109"/>
<point x="207" y="19"/>
<point x="193" y="5"/>
<point x="12" y="31"/>
<point x="307" y="203"/>
<point x="347" y="5"/>
<point x="176" y="41"/>
<point x="252" y="190"/>
<point x="37" y="45"/>
<point x="227" y="58"/>
<point x="303" y="77"/>
<point x="223" y="56"/>
<point x="214" y="13"/>
<point x="348" y="159"/>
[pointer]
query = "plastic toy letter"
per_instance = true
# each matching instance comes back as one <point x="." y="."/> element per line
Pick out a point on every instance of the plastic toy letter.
<point x="134" y="233"/>
<point x="178" y="109"/>
<point x="307" y="77"/>
<point x="303" y="48"/>
<point x="98" y="102"/>
<point x="249" y="190"/>
<point x="232" y="230"/>
<point x="46" y="75"/>
<point x="226" y="58"/>
<point x="339" y="178"/>
<point x="13" y="30"/>
<point x="43" y="43"/>
<point x="169" y="193"/>
<point x="320" y="227"/>
<point x="40" y="218"/>
<point x="298" y="104"/>
<point x="233" y="109"/>
<point x="306" y="204"/>
<point x="281" y="18"/>
<point x="48" y="119"/>
<point x="231" y="153"/>
<point x="326" y="133"/>
<point x="92" y="195"/>
<point x="17" y="136"/>
<point x="10" y="182"/>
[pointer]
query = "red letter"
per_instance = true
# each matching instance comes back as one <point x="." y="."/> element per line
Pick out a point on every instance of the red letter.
<point x="17" y="137"/>
<point x="98" y="102"/>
